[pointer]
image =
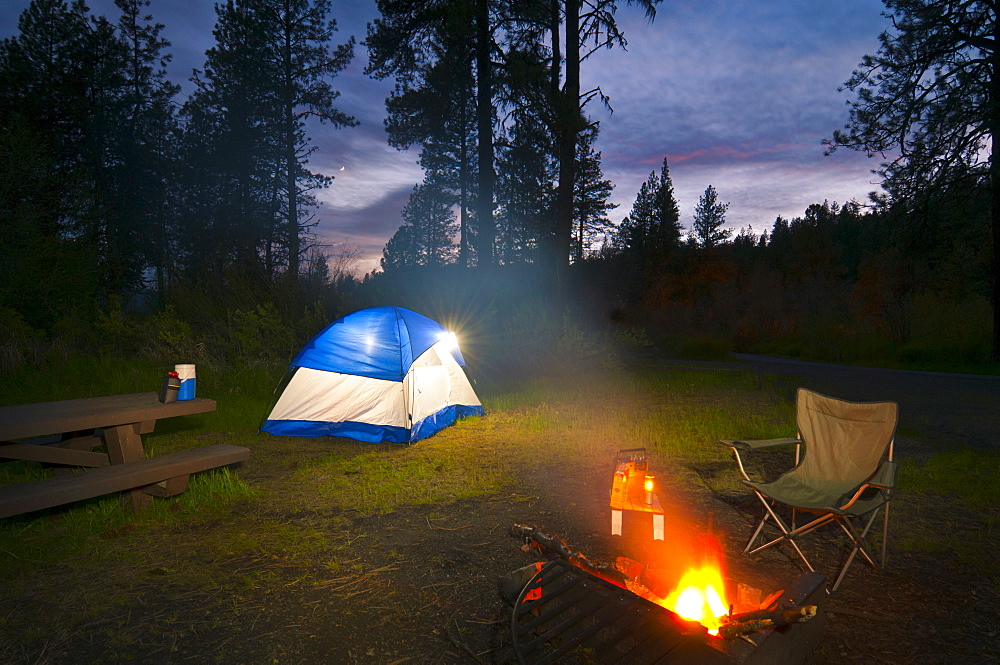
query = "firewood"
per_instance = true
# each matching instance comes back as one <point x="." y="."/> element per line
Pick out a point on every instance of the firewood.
<point x="738" y="625"/>
<point x="558" y="546"/>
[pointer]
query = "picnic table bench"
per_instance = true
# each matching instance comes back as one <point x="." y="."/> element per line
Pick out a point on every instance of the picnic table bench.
<point x="121" y="420"/>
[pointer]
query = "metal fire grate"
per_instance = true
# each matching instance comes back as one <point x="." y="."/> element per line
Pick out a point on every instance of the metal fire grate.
<point x="566" y="615"/>
<point x="581" y="615"/>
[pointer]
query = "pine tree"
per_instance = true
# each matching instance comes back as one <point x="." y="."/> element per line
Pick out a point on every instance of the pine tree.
<point x="586" y="25"/>
<point x="665" y="227"/>
<point x="233" y="155"/>
<point x="302" y="65"/>
<point x="426" y="237"/>
<point x="652" y="229"/>
<point x="590" y="198"/>
<point x="526" y="171"/>
<point x="414" y="42"/>
<point x="269" y="72"/>
<point x="440" y="116"/>
<point x="149" y="160"/>
<point x="94" y="98"/>
<point x="401" y="249"/>
<point x="709" y="216"/>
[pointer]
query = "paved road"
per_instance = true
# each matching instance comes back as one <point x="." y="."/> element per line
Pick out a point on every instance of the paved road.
<point x="941" y="409"/>
<point x="937" y="410"/>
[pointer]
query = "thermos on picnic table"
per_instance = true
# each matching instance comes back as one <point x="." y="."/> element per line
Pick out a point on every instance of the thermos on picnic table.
<point x="188" y="381"/>
<point x="169" y="388"/>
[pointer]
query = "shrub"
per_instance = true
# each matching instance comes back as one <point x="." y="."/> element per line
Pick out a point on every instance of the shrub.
<point x="168" y="338"/>
<point x="259" y="334"/>
<point x="19" y="346"/>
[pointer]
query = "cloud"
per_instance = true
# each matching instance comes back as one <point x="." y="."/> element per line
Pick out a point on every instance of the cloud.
<point x="372" y="182"/>
<point x="735" y="94"/>
<point x="365" y="228"/>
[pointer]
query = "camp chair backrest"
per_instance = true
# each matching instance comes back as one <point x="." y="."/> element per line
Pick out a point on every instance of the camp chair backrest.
<point x="844" y="441"/>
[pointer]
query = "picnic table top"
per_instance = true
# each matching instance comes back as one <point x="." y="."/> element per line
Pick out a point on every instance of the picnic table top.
<point x="44" y="418"/>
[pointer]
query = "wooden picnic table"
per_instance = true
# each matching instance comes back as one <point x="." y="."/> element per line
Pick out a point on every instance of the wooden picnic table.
<point x="121" y="420"/>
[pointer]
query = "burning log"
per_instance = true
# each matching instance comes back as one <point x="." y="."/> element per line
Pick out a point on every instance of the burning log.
<point x="559" y="546"/>
<point x="736" y="626"/>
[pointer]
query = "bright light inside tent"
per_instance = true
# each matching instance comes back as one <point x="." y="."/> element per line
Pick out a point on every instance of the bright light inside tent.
<point x="450" y="340"/>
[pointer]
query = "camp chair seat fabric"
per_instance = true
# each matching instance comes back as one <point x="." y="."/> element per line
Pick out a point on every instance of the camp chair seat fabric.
<point x="792" y="491"/>
<point x="844" y="471"/>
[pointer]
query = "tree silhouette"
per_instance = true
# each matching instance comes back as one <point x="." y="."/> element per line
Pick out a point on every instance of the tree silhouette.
<point x="302" y="66"/>
<point x="91" y="98"/>
<point x="588" y="25"/>
<point x="434" y="103"/>
<point x="709" y="216"/>
<point x="416" y="41"/>
<point x="590" y="197"/>
<point x="269" y="72"/>
<point x="931" y="95"/>
<point x="426" y="236"/>
<point x="526" y="174"/>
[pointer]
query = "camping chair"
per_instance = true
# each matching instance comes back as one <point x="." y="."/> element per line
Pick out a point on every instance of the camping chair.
<point x="843" y="473"/>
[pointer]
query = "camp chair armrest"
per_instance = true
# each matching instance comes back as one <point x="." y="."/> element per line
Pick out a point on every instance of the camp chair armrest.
<point x="746" y="445"/>
<point x="885" y="477"/>
<point x="759" y="444"/>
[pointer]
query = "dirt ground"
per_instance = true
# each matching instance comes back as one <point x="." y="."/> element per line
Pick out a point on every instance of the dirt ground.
<point x="426" y="589"/>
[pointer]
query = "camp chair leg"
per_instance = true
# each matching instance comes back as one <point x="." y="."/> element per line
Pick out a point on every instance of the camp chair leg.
<point x="859" y="538"/>
<point x="760" y="527"/>
<point x="860" y="545"/>
<point x="885" y="532"/>
<point x="786" y="533"/>
<point x="843" y="571"/>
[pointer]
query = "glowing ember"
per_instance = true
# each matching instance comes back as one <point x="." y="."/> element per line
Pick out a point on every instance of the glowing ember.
<point x="698" y="597"/>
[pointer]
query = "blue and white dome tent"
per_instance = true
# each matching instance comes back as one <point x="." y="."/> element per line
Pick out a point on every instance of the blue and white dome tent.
<point x="379" y="374"/>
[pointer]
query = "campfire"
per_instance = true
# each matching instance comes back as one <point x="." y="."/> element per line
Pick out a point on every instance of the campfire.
<point x="700" y="597"/>
<point x="675" y="608"/>
<point x="616" y="610"/>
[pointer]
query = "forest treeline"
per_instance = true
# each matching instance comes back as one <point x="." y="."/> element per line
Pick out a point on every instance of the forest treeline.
<point x="135" y="220"/>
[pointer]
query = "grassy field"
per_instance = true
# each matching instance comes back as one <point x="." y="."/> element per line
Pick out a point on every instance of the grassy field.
<point x="678" y="413"/>
<point x="250" y="514"/>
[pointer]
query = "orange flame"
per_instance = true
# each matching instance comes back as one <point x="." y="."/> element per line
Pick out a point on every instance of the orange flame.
<point x="699" y="597"/>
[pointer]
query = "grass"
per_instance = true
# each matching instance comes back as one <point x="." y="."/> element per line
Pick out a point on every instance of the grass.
<point x="440" y="469"/>
<point x="675" y="413"/>
<point x="287" y="516"/>
<point x="968" y="475"/>
<point x="47" y="540"/>
<point x="953" y="506"/>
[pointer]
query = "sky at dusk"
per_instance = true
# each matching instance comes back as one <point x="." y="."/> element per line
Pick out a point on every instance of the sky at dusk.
<point x="737" y="94"/>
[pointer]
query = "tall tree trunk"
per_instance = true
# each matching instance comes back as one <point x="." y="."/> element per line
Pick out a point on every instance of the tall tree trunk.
<point x="292" y="196"/>
<point x="291" y="165"/>
<point x="569" y="123"/>
<point x="463" y="186"/>
<point x="484" y="115"/>
<point x="995" y="185"/>
<point x="556" y="65"/>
